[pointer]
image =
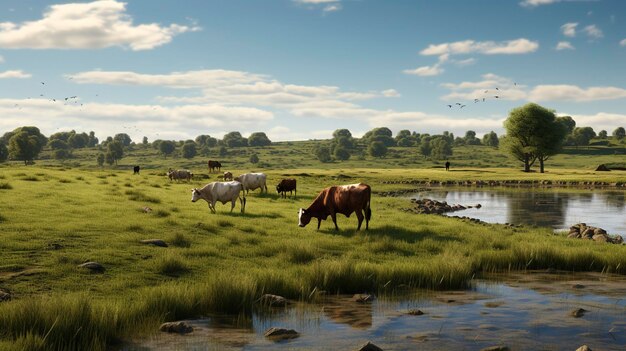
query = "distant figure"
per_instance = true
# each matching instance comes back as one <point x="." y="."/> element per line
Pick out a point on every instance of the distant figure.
<point x="447" y="165"/>
<point x="228" y="176"/>
<point x="286" y="185"/>
<point x="214" y="166"/>
<point x="136" y="170"/>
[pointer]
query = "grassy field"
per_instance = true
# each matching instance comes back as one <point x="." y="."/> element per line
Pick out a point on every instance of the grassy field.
<point x="54" y="217"/>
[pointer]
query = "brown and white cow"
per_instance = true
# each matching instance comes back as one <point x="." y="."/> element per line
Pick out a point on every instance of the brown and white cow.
<point x="343" y="199"/>
<point x="179" y="174"/>
<point x="286" y="185"/>
<point x="222" y="192"/>
<point x="228" y="176"/>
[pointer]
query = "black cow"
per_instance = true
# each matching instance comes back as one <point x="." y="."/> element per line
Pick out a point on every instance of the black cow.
<point x="136" y="170"/>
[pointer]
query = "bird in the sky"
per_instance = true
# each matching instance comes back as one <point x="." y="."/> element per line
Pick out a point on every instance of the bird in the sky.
<point x="450" y="106"/>
<point x="43" y="83"/>
<point x="475" y="100"/>
<point x="497" y="88"/>
<point x="496" y="96"/>
<point x="462" y="106"/>
<point x="458" y="103"/>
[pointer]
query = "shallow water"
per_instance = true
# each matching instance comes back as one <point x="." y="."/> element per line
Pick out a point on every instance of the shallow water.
<point x="526" y="311"/>
<point x="556" y="208"/>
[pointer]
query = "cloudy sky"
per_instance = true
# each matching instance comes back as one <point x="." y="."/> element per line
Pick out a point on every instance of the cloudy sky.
<point x="299" y="69"/>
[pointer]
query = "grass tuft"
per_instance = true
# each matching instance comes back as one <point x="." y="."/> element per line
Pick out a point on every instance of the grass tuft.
<point x="5" y="186"/>
<point x="136" y="195"/>
<point x="179" y="240"/>
<point x="172" y="266"/>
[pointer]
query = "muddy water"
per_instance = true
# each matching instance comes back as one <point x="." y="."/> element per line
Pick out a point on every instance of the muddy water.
<point x="556" y="208"/>
<point x="525" y="311"/>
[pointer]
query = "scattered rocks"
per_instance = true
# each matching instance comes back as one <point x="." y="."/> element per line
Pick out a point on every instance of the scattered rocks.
<point x="602" y="168"/>
<point x="155" y="242"/>
<point x="510" y="183"/>
<point x="363" y="298"/>
<point x="277" y="334"/>
<point x="428" y="206"/>
<point x="584" y="348"/>
<point x="369" y="347"/>
<point x="54" y="246"/>
<point x="94" y="267"/>
<point x="578" y="286"/>
<point x="176" y="327"/>
<point x="579" y="312"/>
<point x="415" y="312"/>
<point x="273" y="300"/>
<point x="582" y="231"/>
<point x="4" y="295"/>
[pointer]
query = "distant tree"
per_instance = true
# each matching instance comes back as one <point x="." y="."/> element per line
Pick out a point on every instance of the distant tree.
<point x="491" y="139"/>
<point x="470" y="138"/>
<point x="382" y="134"/>
<point x="568" y="122"/>
<point x="533" y="133"/>
<point x="458" y="141"/>
<point x="377" y="149"/>
<point x="603" y="134"/>
<point x="189" y="150"/>
<point x="206" y="140"/>
<point x="254" y="159"/>
<point x="100" y="159"/>
<point x="123" y="138"/>
<point x="583" y="135"/>
<point x="109" y="158"/>
<point x="167" y="147"/>
<point x="259" y="139"/>
<point x="156" y="144"/>
<point x="144" y="142"/>
<point x="234" y="139"/>
<point x="619" y="133"/>
<point x="58" y="144"/>
<point x="342" y="133"/>
<point x="4" y="153"/>
<point x="425" y="148"/>
<point x="61" y="154"/>
<point x="26" y="143"/>
<point x="441" y="148"/>
<point x="341" y="153"/>
<point x="93" y="141"/>
<point x="404" y="138"/>
<point x="322" y="152"/>
<point x="116" y="150"/>
<point x="223" y="151"/>
<point x="78" y="140"/>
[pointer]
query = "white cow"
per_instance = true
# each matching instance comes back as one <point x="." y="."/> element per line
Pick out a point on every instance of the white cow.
<point x="179" y="174"/>
<point x="252" y="181"/>
<point x="222" y="192"/>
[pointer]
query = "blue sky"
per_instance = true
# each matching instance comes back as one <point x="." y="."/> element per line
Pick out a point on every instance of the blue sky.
<point x="299" y="69"/>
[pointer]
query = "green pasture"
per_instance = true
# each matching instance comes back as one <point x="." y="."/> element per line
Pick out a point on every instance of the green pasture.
<point x="55" y="216"/>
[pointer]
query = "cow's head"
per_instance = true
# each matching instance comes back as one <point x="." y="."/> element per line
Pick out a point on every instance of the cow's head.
<point x="279" y="188"/>
<point x="195" y="195"/>
<point x="238" y="179"/>
<point x="303" y="217"/>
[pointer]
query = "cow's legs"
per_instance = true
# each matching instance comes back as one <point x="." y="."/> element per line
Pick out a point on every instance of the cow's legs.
<point x="243" y="204"/>
<point x="334" y="217"/>
<point x="232" y="202"/>
<point x="319" y="222"/>
<point x="359" y="216"/>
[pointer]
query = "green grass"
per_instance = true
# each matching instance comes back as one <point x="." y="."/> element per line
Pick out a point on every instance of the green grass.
<point x="224" y="262"/>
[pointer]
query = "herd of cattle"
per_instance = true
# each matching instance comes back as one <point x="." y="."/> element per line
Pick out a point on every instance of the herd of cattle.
<point x="343" y="199"/>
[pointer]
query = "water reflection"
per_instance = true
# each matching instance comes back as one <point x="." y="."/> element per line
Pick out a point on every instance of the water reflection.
<point x="556" y="208"/>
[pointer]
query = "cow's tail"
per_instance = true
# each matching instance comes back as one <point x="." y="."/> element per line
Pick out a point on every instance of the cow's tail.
<point x="368" y="208"/>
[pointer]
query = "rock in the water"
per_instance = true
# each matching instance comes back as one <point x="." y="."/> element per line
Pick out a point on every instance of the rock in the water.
<point x="176" y="327"/>
<point x="496" y="348"/>
<point x="415" y="312"/>
<point x="363" y="298"/>
<point x="273" y="300"/>
<point x="579" y="312"/>
<point x="4" y="295"/>
<point x="582" y="231"/>
<point x="578" y="286"/>
<point x="278" y="334"/>
<point x="369" y="347"/>
<point x="155" y="242"/>
<point x="93" y="266"/>
<point x="584" y="348"/>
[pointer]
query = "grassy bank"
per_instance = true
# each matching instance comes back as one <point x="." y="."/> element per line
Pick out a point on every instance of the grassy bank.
<point x="54" y="218"/>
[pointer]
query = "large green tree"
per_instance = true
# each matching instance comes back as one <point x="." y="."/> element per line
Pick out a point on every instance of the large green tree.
<point x="583" y="135"/>
<point x="234" y="139"/>
<point x="116" y="150"/>
<point x="533" y="133"/>
<point x="123" y="138"/>
<point x="167" y="147"/>
<point x="259" y="139"/>
<point x="26" y="143"/>
<point x="441" y="148"/>
<point x="619" y="133"/>
<point x="189" y="150"/>
<point x="491" y="139"/>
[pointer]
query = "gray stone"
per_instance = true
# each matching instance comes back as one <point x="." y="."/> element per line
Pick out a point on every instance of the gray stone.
<point x="155" y="242"/>
<point x="496" y="348"/>
<point x="415" y="312"/>
<point x="278" y="334"/>
<point x="369" y="347"/>
<point x="273" y="300"/>
<point x="94" y="267"/>
<point x="176" y="327"/>
<point x="579" y="312"/>
<point x="584" y="348"/>
<point x="363" y="298"/>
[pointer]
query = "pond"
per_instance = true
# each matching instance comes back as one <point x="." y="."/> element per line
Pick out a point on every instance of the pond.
<point x="525" y="311"/>
<point x="556" y="208"/>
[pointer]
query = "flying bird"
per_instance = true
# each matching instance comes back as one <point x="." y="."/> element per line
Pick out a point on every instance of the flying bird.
<point x="497" y="88"/>
<point x="450" y="106"/>
<point x="458" y="103"/>
<point x="496" y="96"/>
<point x="462" y="106"/>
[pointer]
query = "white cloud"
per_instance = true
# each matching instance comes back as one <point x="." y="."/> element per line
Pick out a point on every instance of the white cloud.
<point x="421" y="121"/>
<point x="316" y="1"/>
<point x="466" y="62"/>
<point x="599" y="121"/>
<point x="509" y="47"/>
<point x="569" y="29"/>
<point x="593" y="32"/>
<point x="623" y="42"/>
<point x="14" y="74"/>
<point x="1" y="59"/>
<point x="426" y="71"/>
<point x="564" y="45"/>
<point x="390" y="93"/>
<point x="491" y="86"/>
<point x="574" y="93"/>
<point x="94" y="25"/>
<point x="332" y="8"/>
<point x="535" y="3"/>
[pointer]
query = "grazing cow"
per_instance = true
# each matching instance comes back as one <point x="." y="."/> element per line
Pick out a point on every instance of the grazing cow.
<point x="214" y="165"/>
<point x="228" y="176"/>
<point x="136" y="170"/>
<point x="343" y="199"/>
<point x="179" y="174"/>
<point x="251" y="181"/>
<point x="222" y="192"/>
<point x="286" y="185"/>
